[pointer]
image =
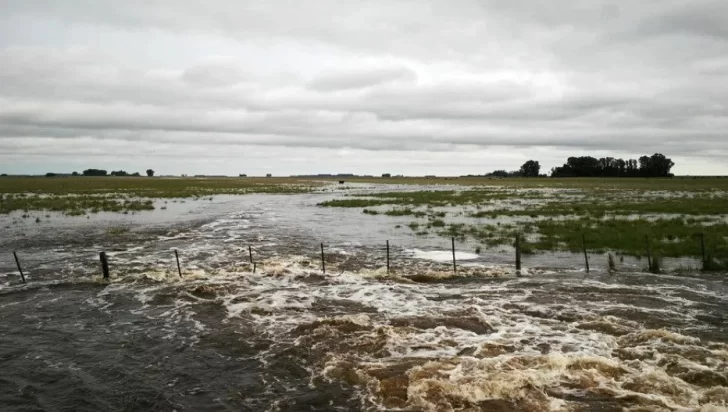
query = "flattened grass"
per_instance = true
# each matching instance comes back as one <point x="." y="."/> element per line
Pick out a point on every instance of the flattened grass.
<point x="156" y="187"/>
<point x="614" y="214"/>
<point x="78" y="195"/>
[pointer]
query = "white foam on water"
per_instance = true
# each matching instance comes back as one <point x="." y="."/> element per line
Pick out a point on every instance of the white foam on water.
<point x="441" y="255"/>
<point x="434" y="326"/>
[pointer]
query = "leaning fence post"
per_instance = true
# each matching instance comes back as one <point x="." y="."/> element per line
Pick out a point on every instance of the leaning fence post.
<point x="104" y="264"/>
<point x="387" y="256"/>
<point x="583" y="246"/>
<point x="649" y="254"/>
<point x="518" y="251"/>
<point x="179" y="269"/>
<point x="454" y="264"/>
<point x="17" y="262"/>
<point x="250" y="254"/>
<point x="323" y="261"/>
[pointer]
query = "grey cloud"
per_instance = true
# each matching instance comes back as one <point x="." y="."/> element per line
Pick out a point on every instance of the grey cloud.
<point x="361" y="78"/>
<point x="376" y="77"/>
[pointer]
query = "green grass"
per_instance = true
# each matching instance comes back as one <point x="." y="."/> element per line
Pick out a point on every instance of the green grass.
<point x="156" y="187"/>
<point x="626" y="205"/>
<point x="352" y="203"/>
<point x="404" y="212"/>
<point x="689" y="184"/>
<point x="552" y="214"/>
<point x="72" y="205"/>
<point x="76" y="196"/>
<point x="668" y="237"/>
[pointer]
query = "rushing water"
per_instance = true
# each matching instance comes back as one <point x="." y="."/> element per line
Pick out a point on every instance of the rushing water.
<point x="290" y="338"/>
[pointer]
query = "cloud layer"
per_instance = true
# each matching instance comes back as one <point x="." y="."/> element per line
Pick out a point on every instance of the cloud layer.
<point x="413" y="87"/>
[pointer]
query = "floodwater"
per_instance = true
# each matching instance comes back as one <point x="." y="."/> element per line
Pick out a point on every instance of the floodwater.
<point x="291" y="338"/>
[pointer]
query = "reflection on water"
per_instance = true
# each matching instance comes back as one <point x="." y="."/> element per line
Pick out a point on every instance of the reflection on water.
<point x="290" y="338"/>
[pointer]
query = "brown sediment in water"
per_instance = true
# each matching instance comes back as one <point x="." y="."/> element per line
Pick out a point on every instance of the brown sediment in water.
<point x="606" y="326"/>
<point x="421" y="275"/>
<point x="635" y="339"/>
<point x="209" y="291"/>
<point x="717" y="395"/>
<point x="497" y="379"/>
<point x="493" y="349"/>
<point x="471" y="324"/>
<point x="657" y="382"/>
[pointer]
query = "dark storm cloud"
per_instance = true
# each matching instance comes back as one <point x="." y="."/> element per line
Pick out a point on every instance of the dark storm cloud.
<point x="429" y="77"/>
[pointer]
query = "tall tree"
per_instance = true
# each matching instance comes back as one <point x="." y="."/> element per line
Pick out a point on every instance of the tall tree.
<point x="150" y="172"/>
<point x="530" y="169"/>
<point x="94" y="172"/>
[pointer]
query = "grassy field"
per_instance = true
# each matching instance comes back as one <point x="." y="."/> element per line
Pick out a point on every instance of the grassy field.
<point x="697" y="183"/>
<point x="614" y="215"/>
<point x="82" y="195"/>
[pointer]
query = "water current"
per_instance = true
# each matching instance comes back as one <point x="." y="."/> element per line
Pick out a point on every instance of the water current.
<point x="291" y="338"/>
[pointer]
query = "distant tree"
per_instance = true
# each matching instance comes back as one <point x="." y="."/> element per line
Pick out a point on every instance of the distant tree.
<point x="51" y="174"/>
<point x="386" y="175"/>
<point x="136" y="174"/>
<point x="74" y="174"/>
<point x="530" y="169"/>
<point x="498" y="173"/>
<point x="150" y="172"/>
<point x="119" y="173"/>
<point x="94" y="172"/>
<point x="656" y="165"/>
<point x="4" y="175"/>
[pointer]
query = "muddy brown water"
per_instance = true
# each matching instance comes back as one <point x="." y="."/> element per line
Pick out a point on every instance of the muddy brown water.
<point x="289" y="338"/>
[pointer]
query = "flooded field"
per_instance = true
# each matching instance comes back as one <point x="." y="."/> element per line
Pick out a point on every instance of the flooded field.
<point x="289" y="337"/>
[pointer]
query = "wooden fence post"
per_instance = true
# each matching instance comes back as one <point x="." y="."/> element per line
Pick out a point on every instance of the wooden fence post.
<point x="518" y="251"/>
<point x="323" y="261"/>
<point x="702" y="249"/>
<point x="250" y="253"/>
<point x="17" y="262"/>
<point x="454" y="264"/>
<point x="387" y="256"/>
<point x="104" y="264"/>
<point x="586" y="257"/>
<point x="179" y="269"/>
<point x="649" y="253"/>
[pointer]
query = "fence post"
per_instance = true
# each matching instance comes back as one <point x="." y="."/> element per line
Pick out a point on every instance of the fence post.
<point x="702" y="249"/>
<point x="17" y="262"/>
<point x="454" y="264"/>
<point x="250" y="253"/>
<point x="649" y="254"/>
<point x="255" y="266"/>
<point x="323" y="261"/>
<point x="387" y="256"/>
<point x="583" y="246"/>
<point x="179" y="269"/>
<point x="518" y="251"/>
<point x="104" y="264"/>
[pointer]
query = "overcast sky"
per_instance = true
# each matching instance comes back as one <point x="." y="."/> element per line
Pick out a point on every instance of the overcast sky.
<point x="336" y="86"/>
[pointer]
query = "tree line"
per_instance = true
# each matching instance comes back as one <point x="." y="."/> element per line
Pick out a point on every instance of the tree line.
<point x="101" y="172"/>
<point x="656" y="165"/>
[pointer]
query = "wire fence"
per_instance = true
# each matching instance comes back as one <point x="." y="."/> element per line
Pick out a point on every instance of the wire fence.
<point x="103" y="266"/>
